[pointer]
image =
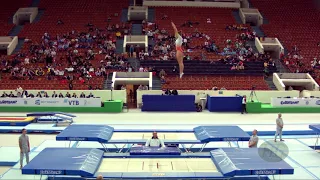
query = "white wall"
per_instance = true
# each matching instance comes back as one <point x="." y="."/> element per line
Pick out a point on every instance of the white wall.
<point x="192" y="4"/>
<point x="263" y="96"/>
<point x="306" y="93"/>
<point x="104" y="94"/>
<point x="12" y="45"/>
<point x="258" y="45"/>
<point x="278" y="82"/>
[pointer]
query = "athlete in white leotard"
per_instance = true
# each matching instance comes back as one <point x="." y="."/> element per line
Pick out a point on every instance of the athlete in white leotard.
<point x="179" y="50"/>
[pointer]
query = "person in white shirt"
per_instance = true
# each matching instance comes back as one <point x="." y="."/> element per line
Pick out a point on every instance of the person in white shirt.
<point x="279" y="123"/>
<point x="165" y="57"/>
<point x="244" y="104"/>
<point x="26" y="60"/>
<point x="254" y="139"/>
<point x="19" y="89"/>
<point x="155" y="141"/>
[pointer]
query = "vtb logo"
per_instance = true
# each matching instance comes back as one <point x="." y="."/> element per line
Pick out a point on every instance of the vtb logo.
<point x="74" y="103"/>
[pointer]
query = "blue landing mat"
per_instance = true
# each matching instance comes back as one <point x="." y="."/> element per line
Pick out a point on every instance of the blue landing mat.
<point x="65" y="161"/>
<point x="247" y="161"/>
<point x="208" y="134"/>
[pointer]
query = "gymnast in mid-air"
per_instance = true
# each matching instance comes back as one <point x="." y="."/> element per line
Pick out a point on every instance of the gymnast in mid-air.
<point x="179" y="50"/>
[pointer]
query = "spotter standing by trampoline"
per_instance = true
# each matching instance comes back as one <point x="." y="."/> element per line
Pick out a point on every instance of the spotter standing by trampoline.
<point x="24" y="145"/>
<point x="179" y="50"/>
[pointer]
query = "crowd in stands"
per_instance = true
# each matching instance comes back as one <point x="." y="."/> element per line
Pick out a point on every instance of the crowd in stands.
<point x="236" y="52"/>
<point x="295" y="61"/>
<point x="164" y="42"/>
<point x="25" y="94"/>
<point x="73" y="56"/>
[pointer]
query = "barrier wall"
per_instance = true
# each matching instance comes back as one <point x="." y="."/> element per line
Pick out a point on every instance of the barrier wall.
<point x="278" y="83"/>
<point x="224" y="103"/>
<point x="310" y="93"/>
<point x="263" y="96"/>
<point x="109" y="106"/>
<point x="192" y="4"/>
<point x="258" y="45"/>
<point x="168" y="103"/>
<point x="103" y="94"/>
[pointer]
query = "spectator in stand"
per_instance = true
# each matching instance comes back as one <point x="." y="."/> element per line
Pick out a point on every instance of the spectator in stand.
<point x="164" y="17"/>
<point x="4" y="94"/>
<point x="11" y="94"/>
<point x="39" y="95"/>
<point x="82" y="95"/>
<point x="162" y="73"/>
<point x="141" y="69"/>
<point x="68" y="95"/>
<point x="208" y="20"/>
<point x="45" y="95"/>
<point x="74" y="95"/>
<point x="118" y="34"/>
<point x="163" y="80"/>
<point x="59" y="22"/>
<point x="215" y="88"/>
<point x="90" y="95"/>
<point x="61" y="95"/>
<point x="54" y="95"/>
<point x="131" y="50"/>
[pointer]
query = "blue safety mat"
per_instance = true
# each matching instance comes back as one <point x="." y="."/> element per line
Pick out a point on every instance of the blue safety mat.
<point x="224" y="103"/>
<point x="243" y="162"/>
<point x="86" y="132"/>
<point x="208" y="134"/>
<point x="154" y="151"/>
<point x="65" y="161"/>
<point x="315" y="128"/>
<point x="168" y="103"/>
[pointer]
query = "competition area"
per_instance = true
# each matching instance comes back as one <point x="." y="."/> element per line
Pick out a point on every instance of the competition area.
<point x="198" y="135"/>
<point x="84" y="151"/>
<point x="219" y="163"/>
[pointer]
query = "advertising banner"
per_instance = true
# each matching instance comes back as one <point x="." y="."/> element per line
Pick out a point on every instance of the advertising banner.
<point x="295" y="102"/>
<point x="51" y="102"/>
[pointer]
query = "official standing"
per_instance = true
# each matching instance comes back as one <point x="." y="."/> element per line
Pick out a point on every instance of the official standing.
<point x="254" y="139"/>
<point x="279" y="123"/>
<point x="155" y="141"/>
<point x="24" y="145"/>
<point x="244" y="104"/>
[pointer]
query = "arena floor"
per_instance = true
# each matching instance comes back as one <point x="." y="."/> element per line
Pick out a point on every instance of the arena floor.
<point x="303" y="158"/>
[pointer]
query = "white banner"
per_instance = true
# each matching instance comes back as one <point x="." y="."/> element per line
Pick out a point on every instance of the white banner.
<point x="295" y="102"/>
<point x="51" y="102"/>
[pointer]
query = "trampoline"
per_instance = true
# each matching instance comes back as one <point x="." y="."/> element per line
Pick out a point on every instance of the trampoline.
<point x="88" y="163"/>
<point x="55" y="117"/>
<point x="16" y="121"/>
<point x="316" y="129"/>
<point x="108" y="135"/>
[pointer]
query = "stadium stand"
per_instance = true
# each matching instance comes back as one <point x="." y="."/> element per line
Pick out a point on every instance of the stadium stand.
<point x="296" y="29"/>
<point x="217" y="47"/>
<point x="7" y="10"/>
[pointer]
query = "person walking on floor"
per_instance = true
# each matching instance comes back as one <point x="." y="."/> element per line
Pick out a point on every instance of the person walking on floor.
<point x="244" y="104"/>
<point x="24" y="145"/>
<point x="279" y="123"/>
